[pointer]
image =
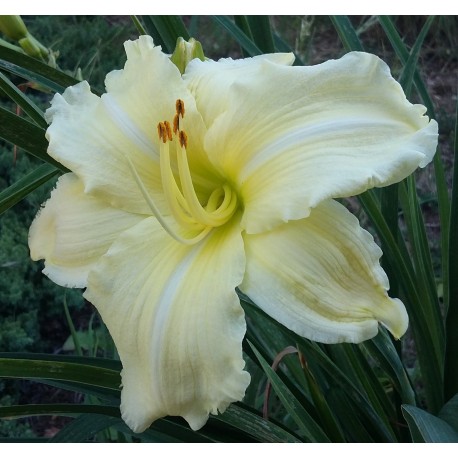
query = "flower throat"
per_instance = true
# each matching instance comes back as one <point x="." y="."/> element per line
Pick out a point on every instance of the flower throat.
<point x="194" y="220"/>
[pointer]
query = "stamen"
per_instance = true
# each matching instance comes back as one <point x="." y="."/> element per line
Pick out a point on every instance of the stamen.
<point x="168" y="130"/>
<point x="159" y="217"/>
<point x="161" y="131"/>
<point x="179" y="106"/>
<point x="195" y="207"/>
<point x="184" y="205"/>
<point x="177" y="203"/>
<point x="183" y="139"/>
<point x="176" y="123"/>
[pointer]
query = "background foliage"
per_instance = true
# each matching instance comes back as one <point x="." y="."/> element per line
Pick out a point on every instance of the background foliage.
<point x="305" y="391"/>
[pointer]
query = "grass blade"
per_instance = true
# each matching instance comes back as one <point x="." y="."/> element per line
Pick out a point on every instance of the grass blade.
<point x="165" y="30"/>
<point x="84" y="427"/>
<point x="441" y="184"/>
<point x="242" y="418"/>
<point x="429" y="350"/>
<point x="306" y="424"/>
<point x="382" y="349"/>
<point x="24" y="186"/>
<point x="27" y="136"/>
<point x="138" y="25"/>
<point x="22" y="101"/>
<point x="34" y="70"/>
<point x="242" y="39"/>
<point x="408" y="72"/>
<point x="449" y="412"/>
<point x="167" y="429"/>
<point x="58" y="370"/>
<point x="262" y="33"/>
<point x="347" y="33"/>
<point x="451" y="322"/>
<point x="425" y="427"/>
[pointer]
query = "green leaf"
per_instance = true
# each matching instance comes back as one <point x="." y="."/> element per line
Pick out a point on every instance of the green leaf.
<point x="24" y="186"/>
<point x="429" y="350"/>
<point x="410" y="66"/>
<point x="382" y="349"/>
<point x="34" y="70"/>
<point x="262" y="33"/>
<point x="242" y="39"/>
<point x="350" y="360"/>
<point x="347" y="33"/>
<point x="111" y="364"/>
<point x="425" y="427"/>
<point x="451" y="322"/>
<point x="449" y="413"/>
<point x="22" y="101"/>
<point x="85" y="427"/>
<point x="403" y="54"/>
<point x="389" y="208"/>
<point x="165" y="30"/>
<point x="26" y="135"/>
<point x="441" y="183"/>
<point x="139" y="26"/>
<point x="323" y="368"/>
<point x="244" y="419"/>
<point x="57" y="370"/>
<point x="162" y="430"/>
<point x="306" y="424"/>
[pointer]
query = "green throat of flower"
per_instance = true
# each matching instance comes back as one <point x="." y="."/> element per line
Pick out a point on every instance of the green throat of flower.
<point x="191" y="217"/>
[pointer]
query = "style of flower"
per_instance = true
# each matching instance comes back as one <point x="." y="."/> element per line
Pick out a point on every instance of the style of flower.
<point x="185" y="187"/>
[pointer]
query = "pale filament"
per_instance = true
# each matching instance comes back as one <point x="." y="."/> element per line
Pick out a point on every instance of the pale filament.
<point x="183" y="203"/>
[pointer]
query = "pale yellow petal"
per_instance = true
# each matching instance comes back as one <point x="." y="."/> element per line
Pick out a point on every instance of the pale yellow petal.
<point x="84" y="137"/>
<point x="210" y="81"/>
<point x="145" y="92"/>
<point x="93" y="136"/>
<point x="321" y="277"/>
<point x="73" y="231"/>
<point x="176" y="321"/>
<point x="294" y="136"/>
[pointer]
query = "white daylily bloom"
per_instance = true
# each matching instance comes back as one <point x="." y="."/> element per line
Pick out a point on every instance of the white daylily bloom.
<point x="185" y="187"/>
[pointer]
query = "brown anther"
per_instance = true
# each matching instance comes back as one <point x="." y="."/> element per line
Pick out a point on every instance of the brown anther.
<point x="168" y="130"/>
<point x="162" y="131"/>
<point x="176" y="123"/>
<point x="179" y="106"/>
<point x="183" y="139"/>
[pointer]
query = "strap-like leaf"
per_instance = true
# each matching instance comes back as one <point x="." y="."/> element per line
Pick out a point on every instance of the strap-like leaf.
<point x="428" y="349"/>
<point x="242" y="39"/>
<point x="347" y="33"/>
<point x="306" y="424"/>
<point x="26" y="135"/>
<point x="56" y="370"/>
<point x="244" y="419"/>
<point x="34" y="70"/>
<point x="84" y="427"/>
<point x="262" y="33"/>
<point x="165" y="30"/>
<point x="22" y="101"/>
<point x="24" y="186"/>
<point x="451" y="366"/>
<point x="425" y="427"/>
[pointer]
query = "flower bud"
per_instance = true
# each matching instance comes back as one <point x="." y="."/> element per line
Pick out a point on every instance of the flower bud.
<point x="13" y="27"/>
<point x="185" y="51"/>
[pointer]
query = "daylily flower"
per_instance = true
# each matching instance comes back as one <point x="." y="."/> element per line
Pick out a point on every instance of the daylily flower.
<point x="184" y="187"/>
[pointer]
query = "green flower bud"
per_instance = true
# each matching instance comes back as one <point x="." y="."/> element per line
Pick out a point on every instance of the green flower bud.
<point x="13" y="27"/>
<point x="185" y="51"/>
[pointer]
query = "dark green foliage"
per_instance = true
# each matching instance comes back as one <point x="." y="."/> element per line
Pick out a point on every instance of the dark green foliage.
<point x="92" y="43"/>
<point x="319" y="392"/>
